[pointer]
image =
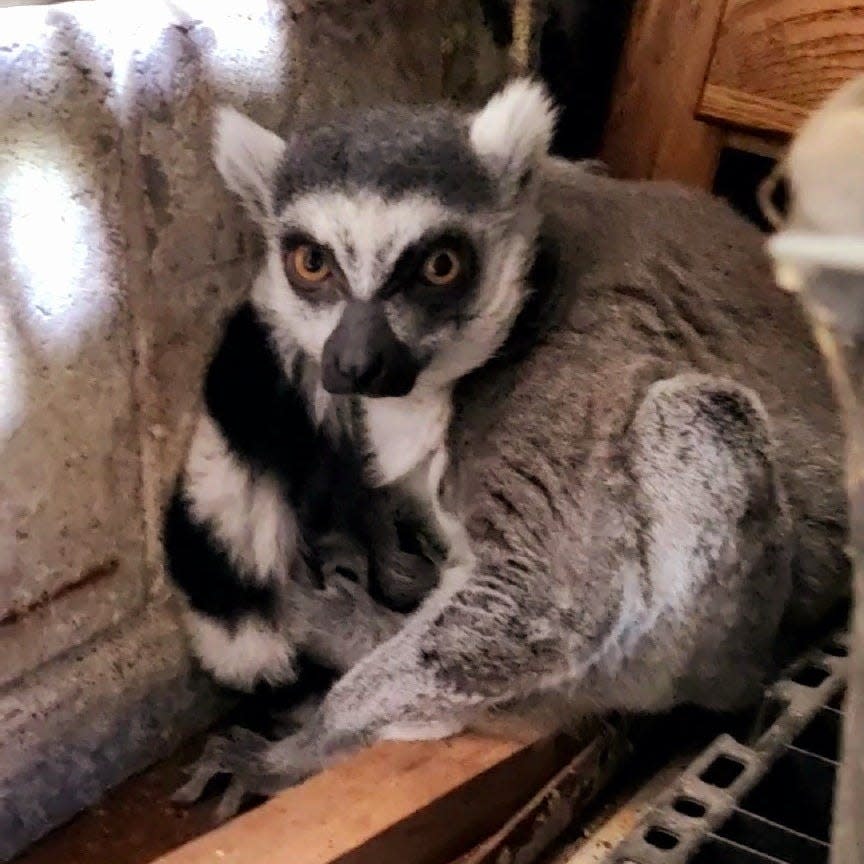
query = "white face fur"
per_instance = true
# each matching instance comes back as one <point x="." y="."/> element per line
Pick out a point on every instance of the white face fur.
<point x="398" y="240"/>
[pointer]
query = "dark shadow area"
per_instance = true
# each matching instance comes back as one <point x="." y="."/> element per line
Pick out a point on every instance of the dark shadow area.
<point x="739" y="175"/>
<point x="580" y="46"/>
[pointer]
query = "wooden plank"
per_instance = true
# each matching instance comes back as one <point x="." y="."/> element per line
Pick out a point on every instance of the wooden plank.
<point x="748" y="111"/>
<point x="783" y="56"/>
<point x="420" y="802"/>
<point x="653" y="130"/>
<point x="529" y="833"/>
<point x="623" y="816"/>
<point x="770" y="146"/>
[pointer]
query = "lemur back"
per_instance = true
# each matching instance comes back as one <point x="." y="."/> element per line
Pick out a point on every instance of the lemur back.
<point x="644" y="292"/>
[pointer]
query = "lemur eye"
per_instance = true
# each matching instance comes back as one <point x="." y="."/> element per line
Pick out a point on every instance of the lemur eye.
<point x="308" y="264"/>
<point x="442" y="267"/>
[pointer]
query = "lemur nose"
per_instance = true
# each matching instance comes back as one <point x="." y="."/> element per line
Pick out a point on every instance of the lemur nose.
<point x="363" y="355"/>
<point x="360" y="370"/>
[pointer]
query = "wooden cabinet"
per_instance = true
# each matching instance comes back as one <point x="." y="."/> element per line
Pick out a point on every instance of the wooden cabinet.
<point x="696" y="73"/>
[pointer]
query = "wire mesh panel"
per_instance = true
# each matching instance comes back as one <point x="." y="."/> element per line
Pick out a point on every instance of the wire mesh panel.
<point x="768" y="800"/>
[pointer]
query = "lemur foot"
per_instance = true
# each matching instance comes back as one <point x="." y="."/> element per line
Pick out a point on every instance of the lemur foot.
<point x="257" y="767"/>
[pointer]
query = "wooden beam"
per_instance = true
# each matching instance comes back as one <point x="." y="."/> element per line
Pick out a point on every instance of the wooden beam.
<point x="769" y="146"/>
<point x="652" y="129"/>
<point x="775" y="61"/>
<point x="419" y="802"/>
<point x="535" y="827"/>
<point x="748" y="111"/>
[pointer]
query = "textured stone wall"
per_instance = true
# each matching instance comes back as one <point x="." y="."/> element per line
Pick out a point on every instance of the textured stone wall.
<point x="119" y="255"/>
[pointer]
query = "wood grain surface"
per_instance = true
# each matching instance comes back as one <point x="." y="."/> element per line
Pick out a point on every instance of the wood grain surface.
<point x="394" y="803"/>
<point x="775" y="60"/>
<point x="653" y="130"/>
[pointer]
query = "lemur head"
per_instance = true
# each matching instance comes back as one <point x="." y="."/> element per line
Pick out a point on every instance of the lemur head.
<point x="398" y="239"/>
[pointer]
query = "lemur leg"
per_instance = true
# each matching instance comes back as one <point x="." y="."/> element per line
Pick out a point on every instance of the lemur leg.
<point x="337" y="626"/>
<point x="667" y="588"/>
<point x="340" y="624"/>
<point x="717" y="539"/>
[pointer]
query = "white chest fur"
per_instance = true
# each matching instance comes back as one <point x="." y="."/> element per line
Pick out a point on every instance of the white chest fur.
<point x="402" y="432"/>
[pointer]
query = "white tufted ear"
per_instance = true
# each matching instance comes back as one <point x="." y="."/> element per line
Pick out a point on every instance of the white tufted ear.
<point x="247" y="156"/>
<point x="513" y="131"/>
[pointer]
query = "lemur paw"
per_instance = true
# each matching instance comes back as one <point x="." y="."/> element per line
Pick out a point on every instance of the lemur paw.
<point x="257" y="767"/>
<point x="340" y="599"/>
<point x="338" y="584"/>
<point x="343" y="560"/>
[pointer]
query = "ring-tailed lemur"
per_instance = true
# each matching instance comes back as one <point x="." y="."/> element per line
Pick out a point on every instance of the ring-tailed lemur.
<point x="633" y="463"/>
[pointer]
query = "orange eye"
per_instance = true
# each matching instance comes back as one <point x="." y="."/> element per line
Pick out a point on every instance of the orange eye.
<point x="308" y="263"/>
<point x="442" y="267"/>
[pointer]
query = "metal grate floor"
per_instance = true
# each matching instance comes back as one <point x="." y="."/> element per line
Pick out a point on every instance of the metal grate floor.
<point x="765" y="802"/>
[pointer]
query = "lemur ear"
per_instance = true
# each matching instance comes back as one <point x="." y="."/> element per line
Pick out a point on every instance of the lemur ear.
<point x="513" y="131"/>
<point x="247" y="156"/>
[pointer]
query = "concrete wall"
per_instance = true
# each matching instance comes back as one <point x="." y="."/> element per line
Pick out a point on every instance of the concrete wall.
<point x="119" y="255"/>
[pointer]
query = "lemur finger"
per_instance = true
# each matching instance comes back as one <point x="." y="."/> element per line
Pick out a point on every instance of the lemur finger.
<point x="340" y="557"/>
<point x="221" y="755"/>
<point x="232" y="800"/>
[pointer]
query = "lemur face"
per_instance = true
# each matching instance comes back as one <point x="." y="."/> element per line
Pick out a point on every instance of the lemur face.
<point x="398" y="238"/>
<point x="382" y="285"/>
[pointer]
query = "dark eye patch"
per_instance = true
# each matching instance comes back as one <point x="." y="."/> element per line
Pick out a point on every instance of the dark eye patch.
<point x="293" y="239"/>
<point x="407" y="280"/>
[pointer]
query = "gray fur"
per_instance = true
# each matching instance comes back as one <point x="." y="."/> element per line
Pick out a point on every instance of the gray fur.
<point x="651" y="496"/>
<point x="393" y="150"/>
